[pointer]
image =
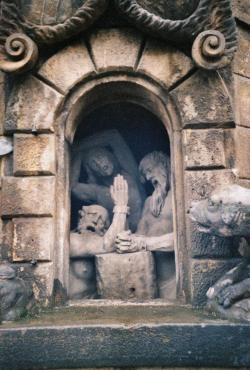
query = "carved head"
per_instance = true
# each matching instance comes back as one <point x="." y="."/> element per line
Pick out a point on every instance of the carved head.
<point x="224" y="212"/>
<point x="7" y="272"/>
<point x="101" y="162"/>
<point x="156" y="168"/>
<point x="93" y="218"/>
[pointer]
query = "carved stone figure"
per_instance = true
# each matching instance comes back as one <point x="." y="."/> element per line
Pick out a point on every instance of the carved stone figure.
<point x="15" y="295"/>
<point x="227" y="213"/>
<point x="103" y="156"/>
<point x="95" y="236"/>
<point x="155" y="229"/>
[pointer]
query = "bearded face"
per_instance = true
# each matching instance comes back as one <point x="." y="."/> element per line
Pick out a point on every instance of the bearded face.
<point x="156" y="173"/>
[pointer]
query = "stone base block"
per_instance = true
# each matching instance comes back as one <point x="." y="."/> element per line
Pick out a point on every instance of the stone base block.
<point x="126" y="276"/>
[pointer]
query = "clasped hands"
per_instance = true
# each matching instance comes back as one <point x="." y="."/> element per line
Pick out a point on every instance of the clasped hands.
<point x="125" y="242"/>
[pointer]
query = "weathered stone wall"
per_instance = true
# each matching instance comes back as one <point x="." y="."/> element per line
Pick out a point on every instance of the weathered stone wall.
<point x="212" y="123"/>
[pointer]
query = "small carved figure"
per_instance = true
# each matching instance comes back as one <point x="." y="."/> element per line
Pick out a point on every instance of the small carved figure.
<point x="15" y="295"/>
<point x="103" y="156"/>
<point x="226" y="213"/>
<point x="155" y="229"/>
<point x="94" y="236"/>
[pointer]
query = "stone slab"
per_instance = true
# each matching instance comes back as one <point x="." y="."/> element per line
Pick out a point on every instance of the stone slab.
<point x="199" y="185"/>
<point x="22" y="112"/>
<point x="203" y="101"/>
<point x="115" y="49"/>
<point x="163" y="63"/>
<point x="33" y="239"/>
<point x="127" y="276"/>
<point x="204" y="274"/>
<point x="241" y="63"/>
<point x="68" y="67"/>
<point x="242" y="100"/>
<point x="243" y="152"/>
<point x="204" y="148"/>
<point x="215" y="344"/>
<point x="34" y="155"/>
<point x="28" y="196"/>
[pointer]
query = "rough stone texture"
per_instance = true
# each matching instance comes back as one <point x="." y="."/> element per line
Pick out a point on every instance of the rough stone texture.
<point x="34" y="155"/>
<point x="241" y="64"/>
<point x="6" y="240"/>
<point x="164" y="63"/>
<point x="204" y="274"/>
<point x="59" y="346"/>
<point x="198" y="185"/>
<point x="126" y="276"/>
<point x="242" y="97"/>
<point x="243" y="182"/>
<point x="68" y="67"/>
<point x="22" y="110"/>
<point x="30" y="196"/>
<point x="41" y="279"/>
<point x="33" y="239"/>
<point x="115" y="49"/>
<point x="2" y="102"/>
<point x="203" y="101"/>
<point x="204" y="148"/>
<point x="243" y="152"/>
<point x="241" y="10"/>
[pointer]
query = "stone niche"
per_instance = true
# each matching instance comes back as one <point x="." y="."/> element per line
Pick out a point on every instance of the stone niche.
<point x="124" y="254"/>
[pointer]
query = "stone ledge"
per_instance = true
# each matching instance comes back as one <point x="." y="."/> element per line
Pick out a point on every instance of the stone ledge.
<point x="73" y="343"/>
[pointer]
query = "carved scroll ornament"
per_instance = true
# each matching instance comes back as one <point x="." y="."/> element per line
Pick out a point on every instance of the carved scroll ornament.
<point x="19" y="37"/>
<point x="210" y="29"/>
<point x="212" y="49"/>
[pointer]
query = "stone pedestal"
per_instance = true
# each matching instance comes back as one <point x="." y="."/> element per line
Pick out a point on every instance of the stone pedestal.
<point x="126" y="276"/>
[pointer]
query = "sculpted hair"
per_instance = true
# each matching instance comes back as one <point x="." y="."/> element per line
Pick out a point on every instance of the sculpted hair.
<point x="155" y="158"/>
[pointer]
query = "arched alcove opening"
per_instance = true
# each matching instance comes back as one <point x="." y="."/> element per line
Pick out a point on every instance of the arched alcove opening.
<point x="130" y="133"/>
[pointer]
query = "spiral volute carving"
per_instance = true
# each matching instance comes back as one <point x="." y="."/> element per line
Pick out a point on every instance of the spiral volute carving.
<point x="19" y="54"/>
<point x="209" y="50"/>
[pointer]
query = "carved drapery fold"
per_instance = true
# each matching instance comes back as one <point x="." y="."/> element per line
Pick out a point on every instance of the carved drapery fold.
<point x="212" y="49"/>
<point x="210" y="29"/>
<point x="20" y="53"/>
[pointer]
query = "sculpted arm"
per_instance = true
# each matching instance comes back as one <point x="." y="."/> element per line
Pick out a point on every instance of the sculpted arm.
<point x="119" y="194"/>
<point x="120" y="149"/>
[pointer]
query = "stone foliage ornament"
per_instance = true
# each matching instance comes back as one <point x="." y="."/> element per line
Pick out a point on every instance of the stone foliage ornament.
<point x="15" y="295"/>
<point x="210" y="28"/>
<point x="227" y="214"/>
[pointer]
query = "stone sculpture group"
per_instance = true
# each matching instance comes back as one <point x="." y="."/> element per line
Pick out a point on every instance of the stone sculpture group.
<point x="113" y="182"/>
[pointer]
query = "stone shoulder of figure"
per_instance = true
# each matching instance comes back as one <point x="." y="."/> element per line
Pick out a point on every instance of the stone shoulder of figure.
<point x="15" y="294"/>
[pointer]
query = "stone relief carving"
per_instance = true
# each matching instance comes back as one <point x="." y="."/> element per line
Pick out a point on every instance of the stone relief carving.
<point x="103" y="156"/>
<point x="227" y="214"/>
<point x="210" y="28"/>
<point x="112" y="183"/>
<point x="95" y="236"/>
<point x="15" y="295"/>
